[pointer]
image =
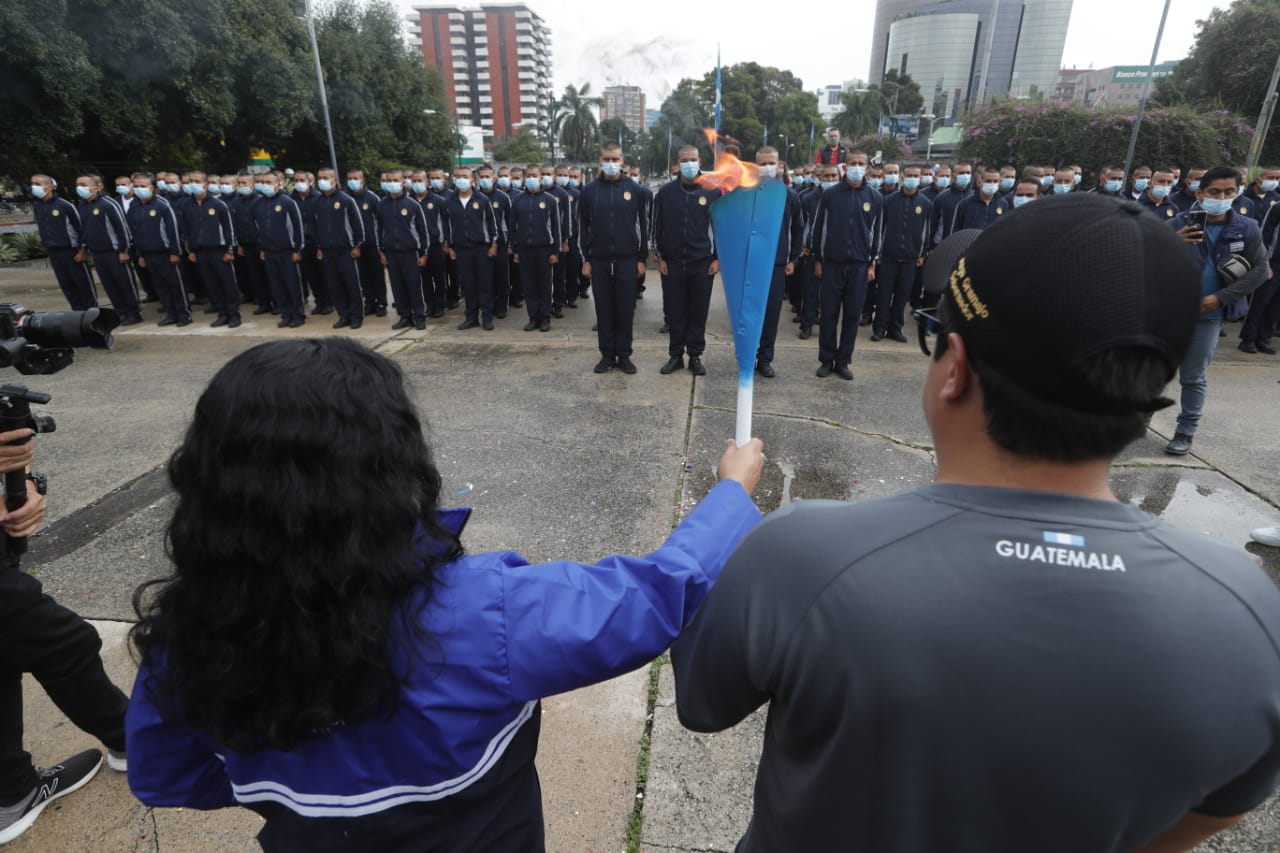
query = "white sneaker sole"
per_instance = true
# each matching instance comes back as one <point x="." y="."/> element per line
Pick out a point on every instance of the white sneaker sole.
<point x="15" y="829"/>
<point x="1267" y="536"/>
<point x="120" y="765"/>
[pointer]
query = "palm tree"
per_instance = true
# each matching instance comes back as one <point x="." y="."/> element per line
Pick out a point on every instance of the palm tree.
<point x="578" y="130"/>
<point x="860" y="114"/>
<point x="550" y="128"/>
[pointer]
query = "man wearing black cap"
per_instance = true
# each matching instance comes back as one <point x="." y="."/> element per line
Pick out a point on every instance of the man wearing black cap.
<point x="1010" y="659"/>
<point x="1232" y="264"/>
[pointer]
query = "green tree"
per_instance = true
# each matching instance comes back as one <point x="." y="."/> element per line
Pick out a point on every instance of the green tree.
<point x="615" y="129"/>
<point x="901" y="93"/>
<point x="859" y="114"/>
<point x="520" y="148"/>
<point x="579" y="131"/>
<point x="549" y="129"/>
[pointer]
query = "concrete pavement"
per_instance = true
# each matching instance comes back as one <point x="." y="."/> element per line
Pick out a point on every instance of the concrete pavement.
<point x="558" y="462"/>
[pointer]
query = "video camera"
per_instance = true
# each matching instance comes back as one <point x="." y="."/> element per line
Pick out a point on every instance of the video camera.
<point x="40" y="344"/>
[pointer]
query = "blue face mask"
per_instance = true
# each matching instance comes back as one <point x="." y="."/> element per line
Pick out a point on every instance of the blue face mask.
<point x="188" y="189"/>
<point x="1270" y="186"/>
<point x="228" y="189"/>
<point x="122" y="189"/>
<point x="245" y="192"/>
<point x="854" y="174"/>
<point x="532" y="184"/>
<point x="891" y="179"/>
<point x="911" y="183"/>
<point x="1194" y="186"/>
<point x="548" y="181"/>
<point x="324" y="185"/>
<point x="926" y="180"/>
<point x="575" y="183"/>
<point x="1059" y="189"/>
<point x="1006" y="184"/>
<point x="826" y="185"/>
<point x="875" y="183"/>
<point x="1160" y="192"/>
<point x="302" y="186"/>
<point x="962" y="181"/>
<point x="943" y="183"/>
<point x="418" y="187"/>
<point x="437" y="184"/>
<point x="1216" y="206"/>
<point x="486" y="184"/>
<point x="354" y="185"/>
<point x="611" y="170"/>
<point x="690" y="169"/>
<point x="504" y="183"/>
<point x="1141" y="184"/>
<point x="1020" y="200"/>
<point x="143" y="193"/>
<point x="393" y="187"/>
<point x="213" y="189"/>
<point x="84" y="192"/>
<point x="562" y="180"/>
<point x="1046" y="181"/>
<point x="269" y="190"/>
<point x="1114" y="186"/>
<point x="1076" y="180"/>
<point x="462" y="184"/>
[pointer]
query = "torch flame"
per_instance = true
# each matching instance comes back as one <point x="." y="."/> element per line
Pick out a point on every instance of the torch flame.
<point x="730" y="172"/>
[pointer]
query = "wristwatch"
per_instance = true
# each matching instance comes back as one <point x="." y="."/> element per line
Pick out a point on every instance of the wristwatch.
<point x="41" y="481"/>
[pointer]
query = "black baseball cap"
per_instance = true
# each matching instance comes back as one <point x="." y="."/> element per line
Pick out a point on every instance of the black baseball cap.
<point x="1060" y="280"/>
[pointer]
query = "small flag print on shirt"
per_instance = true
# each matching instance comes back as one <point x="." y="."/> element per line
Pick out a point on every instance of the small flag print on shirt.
<point x="1063" y="539"/>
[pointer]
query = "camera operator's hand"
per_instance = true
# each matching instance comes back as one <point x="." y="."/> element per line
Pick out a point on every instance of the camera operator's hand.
<point x="26" y="519"/>
<point x="743" y="464"/>
<point x="16" y="457"/>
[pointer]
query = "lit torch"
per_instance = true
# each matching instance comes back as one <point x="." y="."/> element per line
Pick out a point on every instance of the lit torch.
<point x="747" y="221"/>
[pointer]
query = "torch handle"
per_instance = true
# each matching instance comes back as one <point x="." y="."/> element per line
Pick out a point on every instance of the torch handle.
<point x="746" y="395"/>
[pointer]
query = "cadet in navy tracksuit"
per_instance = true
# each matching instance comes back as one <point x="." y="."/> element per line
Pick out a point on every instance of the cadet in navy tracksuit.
<point x="309" y="268"/>
<point x="248" y="264"/>
<point x="59" y="225"/>
<point x="339" y="234"/>
<point x="155" y="236"/>
<point x="536" y="240"/>
<point x="105" y="234"/>
<point x="281" y="234"/>
<point x="907" y="218"/>
<point x="828" y="178"/>
<point x="403" y="240"/>
<point x="560" y="295"/>
<point x="685" y="246"/>
<point x="211" y="246"/>
<point x="982" y="208"/>
<point x="473" y="243"/>
<point x="373" y="278"/>
<point x="613" y="233"/>
<point x="790" y="244"/>
<point x="1261" y="194"/>
<point x="957" y="189"/>
<point x="501" y="204"/>
<point x="435" y="274"/>
<point x="845" y="244"/>
<point x="573" y="272"/>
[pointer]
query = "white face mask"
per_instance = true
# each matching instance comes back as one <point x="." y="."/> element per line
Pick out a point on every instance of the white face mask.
<point x="769" y="170"/>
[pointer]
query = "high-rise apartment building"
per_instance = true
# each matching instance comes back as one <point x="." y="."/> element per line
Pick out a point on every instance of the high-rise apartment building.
<point x="495" y="60"/>
<point x="626" y="103"/>
<point x="964" y="52"/>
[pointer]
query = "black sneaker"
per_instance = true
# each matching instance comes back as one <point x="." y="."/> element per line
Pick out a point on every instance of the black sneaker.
<point x="805" y="332"/>
<point x="626" y="365"/>
<point x="673" y="364"/>
<point x="604" y="365"/>
<point x="843" y="371"/>
<point x="51" y="783"/>
<point x="1264" y="347"/>
<point x="824" y="370"/>
<point x="766" y="370"/>
<point x="695" y="366"/>
<point x="402" y="323"/>
<point x="531" y="326"/>
<point x="1180" y="445"/>
<point x="1249" y="347"/>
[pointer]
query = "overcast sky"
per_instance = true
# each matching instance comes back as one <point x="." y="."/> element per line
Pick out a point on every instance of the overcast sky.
<point x="607" y="44"/>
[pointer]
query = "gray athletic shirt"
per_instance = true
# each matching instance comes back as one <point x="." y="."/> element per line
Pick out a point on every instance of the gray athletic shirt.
<point x="978" y="670"/>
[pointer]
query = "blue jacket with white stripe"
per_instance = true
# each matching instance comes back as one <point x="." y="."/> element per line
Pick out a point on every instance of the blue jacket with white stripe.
<point x="452" y="768"/>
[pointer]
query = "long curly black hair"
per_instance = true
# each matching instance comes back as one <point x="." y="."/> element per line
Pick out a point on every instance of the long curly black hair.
<point x="304" y="542"/>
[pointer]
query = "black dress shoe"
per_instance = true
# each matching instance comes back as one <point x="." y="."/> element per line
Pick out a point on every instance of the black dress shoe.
<point x="604" y="365"/>
<point x="500" y="315"/>
<point x="824" y="370"/>
<point x="420" y="325"/>
<point x="234" y="322"/>
<point x="695" y="366"/>
<point x="181" y="323"/>
<point x="666" y="329"/>
<point x="766" y="370"/>
<point x="1263" y="346"/>
<point x="380" y="312"/>
<point x="167" y="321"/>
<point x="488" y="324"/>
<point x="877" y="336"/>
<point x="297" y="323"/>
<point x="531" y="326"/>
<point x="898" y="336"/>
<point x="356" y="324"/>
<point x="322" y="309"/>
<point x="262" y="309"/>
<point x="402" y="323"/>
<point x="544" y="326"/>
<point x="1180" y="445"/>
<point x="1249" y="347"/>
<point x="467" y="324"/>
<point x="626" y="365"/>
<point x="843" y="371"/>
<point x="283" y="324"/>
<point x="437" y="314"/>
<point x="673" y="364"/>
<point x="806" y="332"/>
<point x="342" y="324"/>
<point x="557" y="313"/>
<point x="221" y="321"/>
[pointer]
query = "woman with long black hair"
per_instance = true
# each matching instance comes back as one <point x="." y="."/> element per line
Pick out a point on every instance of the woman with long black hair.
<point x="324" y="652"/>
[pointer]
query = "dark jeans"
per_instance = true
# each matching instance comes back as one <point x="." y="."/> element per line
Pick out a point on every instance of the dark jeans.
<point x="118" y="284"/>
<point x="164" y="277"/>
<point x="285" y="284"/>
<point x="73" y="278"/>
<point x="1264" y="310"/>
<point x="613" y="282"/>
<point x="895" y="280"/>
<point x="406" y="284"/>
<point x="686" y="299"/>
<point x="842" y="291"/>
<point x="343" y="283"/>
<point x="60" y="650"/>
<point x="772" y="313"/>
<point x="219" y="279"/>
<point x="475" y="277"/>
<point x="535" y="281"/>
<point x="373" y="279"/>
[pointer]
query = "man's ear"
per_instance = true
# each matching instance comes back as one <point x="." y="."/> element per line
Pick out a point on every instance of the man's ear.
<point x="958" y="378"/>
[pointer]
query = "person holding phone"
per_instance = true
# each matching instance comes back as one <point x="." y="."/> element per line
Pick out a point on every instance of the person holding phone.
<point x="1214" y="232"/>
